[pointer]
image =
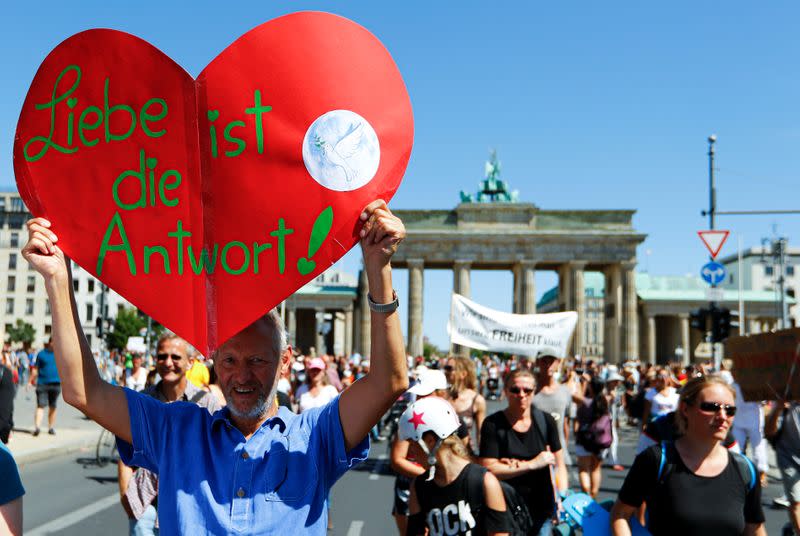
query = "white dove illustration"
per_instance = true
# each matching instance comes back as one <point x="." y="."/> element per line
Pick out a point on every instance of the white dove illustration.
<point x="345" y="147"/>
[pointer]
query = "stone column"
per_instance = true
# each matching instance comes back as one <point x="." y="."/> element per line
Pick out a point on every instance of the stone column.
<point x="319" y="339"/>
<point x="578" y="305"/>
<point x="415" y="310"/>
<point x="291" y="324"/>
<point x="651" y="339"/>
<point x="564" y="288"/>
<point x="685" y="339"/>
<point x="348" y="330"/>
<point x="365" y="335"/>
<point x="524" y="287"/>
<point x="630" y="313"/>
<point x="461" y="285"/>
<point x="612" y="317"/>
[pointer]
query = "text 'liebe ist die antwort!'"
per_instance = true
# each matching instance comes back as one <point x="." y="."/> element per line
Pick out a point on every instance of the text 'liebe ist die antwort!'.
<point x="76" y="126"/>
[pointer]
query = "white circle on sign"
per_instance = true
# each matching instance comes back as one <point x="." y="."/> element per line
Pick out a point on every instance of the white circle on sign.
<point x="341" y="150"/>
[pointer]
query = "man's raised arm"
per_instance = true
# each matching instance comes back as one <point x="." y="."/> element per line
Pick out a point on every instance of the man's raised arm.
<point x="364" y="403"/>
<point x="81" y="384"/>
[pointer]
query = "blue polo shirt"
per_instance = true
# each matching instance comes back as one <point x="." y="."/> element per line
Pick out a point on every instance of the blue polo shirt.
<point x="213" y="481"/>
<point x="10" y="485"/>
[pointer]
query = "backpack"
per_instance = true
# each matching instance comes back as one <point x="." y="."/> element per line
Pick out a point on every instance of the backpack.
<point x="668" y="459"/>
<point x="520" y="516"/>
<point x="539" y="422"/>
<point x="595" y="436"/>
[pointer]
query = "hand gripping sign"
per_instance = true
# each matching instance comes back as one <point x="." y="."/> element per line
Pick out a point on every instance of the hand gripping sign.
<point x="206" y="202"/>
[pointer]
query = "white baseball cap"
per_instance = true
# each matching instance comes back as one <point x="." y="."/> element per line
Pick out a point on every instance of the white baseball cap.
<point x="429" y="380"/>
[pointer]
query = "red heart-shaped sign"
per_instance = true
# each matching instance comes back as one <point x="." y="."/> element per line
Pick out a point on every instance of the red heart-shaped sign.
<point x="207" y="202"/>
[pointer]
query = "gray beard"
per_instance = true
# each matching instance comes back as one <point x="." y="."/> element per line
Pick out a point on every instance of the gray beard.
<point x="259" y="410"/>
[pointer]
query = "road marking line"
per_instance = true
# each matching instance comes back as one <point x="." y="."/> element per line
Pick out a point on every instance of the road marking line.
<point x="355" y="528"/>
<point x="72" y="518"/>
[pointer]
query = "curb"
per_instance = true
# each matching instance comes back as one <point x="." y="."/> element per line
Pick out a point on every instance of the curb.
<point x="44" y="453"/>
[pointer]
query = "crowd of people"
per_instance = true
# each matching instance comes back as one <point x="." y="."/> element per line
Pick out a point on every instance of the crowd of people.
<point x="459" y="470"/>
<point x="684" y="414"/>
<point x="550" y="403"/>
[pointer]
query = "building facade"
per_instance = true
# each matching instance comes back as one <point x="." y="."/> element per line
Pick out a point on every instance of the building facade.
<point x="663" y="307"/>
<point x="758" y="273"/>
<point x="22" y="292"/>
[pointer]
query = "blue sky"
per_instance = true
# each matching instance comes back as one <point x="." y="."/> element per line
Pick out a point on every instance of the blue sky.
<point x="589" y="105"/>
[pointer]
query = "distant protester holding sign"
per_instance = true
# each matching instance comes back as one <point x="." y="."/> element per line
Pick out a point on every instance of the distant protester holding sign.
<point x="254" y="467"/>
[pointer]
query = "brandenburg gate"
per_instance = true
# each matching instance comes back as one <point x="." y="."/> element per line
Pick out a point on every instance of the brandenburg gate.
<point x="495" y="232"/>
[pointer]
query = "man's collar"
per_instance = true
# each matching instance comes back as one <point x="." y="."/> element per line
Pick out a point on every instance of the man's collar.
<point x="279" y="421"/>
<point x="156" y="392"/>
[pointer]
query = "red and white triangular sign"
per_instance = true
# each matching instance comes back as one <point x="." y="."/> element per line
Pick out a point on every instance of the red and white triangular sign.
<point x="713" y="240"/>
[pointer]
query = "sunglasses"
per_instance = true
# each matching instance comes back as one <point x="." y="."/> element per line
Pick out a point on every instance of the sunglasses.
<point x="448" y="368"/>
<point x="518" y="390"/>
<point x="715" y="407"/>
<point x="163" y="357"/>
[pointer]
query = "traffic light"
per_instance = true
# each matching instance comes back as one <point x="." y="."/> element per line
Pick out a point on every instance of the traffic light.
<point x="724" y="323"/>
<point x="728" y="323"/>
<point x="698" y="319"/>
<point x="98" y="323"/>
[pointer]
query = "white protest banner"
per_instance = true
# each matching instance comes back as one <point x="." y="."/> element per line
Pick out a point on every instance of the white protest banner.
<point x="136" y="344"/>
<point x="479" y="327"/>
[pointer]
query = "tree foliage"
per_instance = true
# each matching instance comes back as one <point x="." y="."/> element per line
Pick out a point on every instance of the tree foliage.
<point x="21" y="332"/>
<point x="429" y="349"/>
<point x="129" y="323"/>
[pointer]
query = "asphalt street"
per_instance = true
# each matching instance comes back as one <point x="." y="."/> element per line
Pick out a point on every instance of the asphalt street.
<point x="71" y="495"/>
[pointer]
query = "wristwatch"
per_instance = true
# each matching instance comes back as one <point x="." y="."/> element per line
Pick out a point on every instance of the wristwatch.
<point x="384" y="307"/>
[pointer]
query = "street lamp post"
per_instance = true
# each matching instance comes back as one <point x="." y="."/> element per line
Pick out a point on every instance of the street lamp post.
<point x="712" y="207"/>
<point x="712" y="192"/>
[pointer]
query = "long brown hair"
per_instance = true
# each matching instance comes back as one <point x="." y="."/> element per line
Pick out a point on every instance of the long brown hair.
<point x="464" y="376"/>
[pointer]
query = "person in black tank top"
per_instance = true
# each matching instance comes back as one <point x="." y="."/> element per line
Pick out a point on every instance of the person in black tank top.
<point x="444" y="500"/>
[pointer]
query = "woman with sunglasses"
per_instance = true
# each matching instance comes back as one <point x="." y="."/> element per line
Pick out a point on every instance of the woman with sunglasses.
<point x="519" y="451"/>
<point x="694" y="486"/>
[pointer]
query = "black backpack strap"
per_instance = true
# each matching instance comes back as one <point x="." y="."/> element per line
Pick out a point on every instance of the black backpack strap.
<point x="667" y="460"/>
<point x="475" y="482"/>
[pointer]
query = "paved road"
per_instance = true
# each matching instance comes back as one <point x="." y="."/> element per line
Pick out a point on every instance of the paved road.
<point x="70" y="495"/>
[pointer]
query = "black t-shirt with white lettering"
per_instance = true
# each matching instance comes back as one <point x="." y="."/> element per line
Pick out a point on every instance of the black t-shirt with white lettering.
<point x="688" y="504"/>
<point x="451" y="510"/>
<point x="500" y="440"/>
